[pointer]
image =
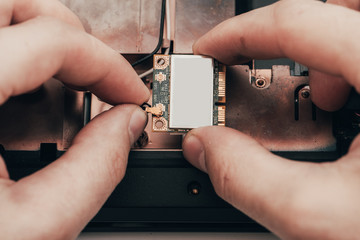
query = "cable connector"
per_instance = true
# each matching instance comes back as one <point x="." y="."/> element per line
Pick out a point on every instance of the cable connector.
<point x="154" y="111"/>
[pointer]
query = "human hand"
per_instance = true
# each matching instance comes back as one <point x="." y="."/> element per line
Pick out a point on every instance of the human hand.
<point x="39" y="39"/>
<point x="295" y="200"/>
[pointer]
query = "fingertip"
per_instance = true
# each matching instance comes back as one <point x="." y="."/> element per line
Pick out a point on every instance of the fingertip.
<point x="145" y="95"/>
<point x="133" y="87"/>
<point x="328" y="92"/>
<point x="137" y="123"/>
<point x="119" y="86"/>
<point x="194" y="151"/>
<point x="140" y="94"/>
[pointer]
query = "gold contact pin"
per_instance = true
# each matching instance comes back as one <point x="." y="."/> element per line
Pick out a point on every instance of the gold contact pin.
<point x="154" y="111"/>
<point x="222" y="84"/>
<point x="221" y="115"/>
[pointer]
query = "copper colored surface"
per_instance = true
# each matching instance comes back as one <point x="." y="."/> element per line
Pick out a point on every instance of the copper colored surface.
<point x="129" y="26"/>
<point x="267" y="114"/>
<point x="53" y="114"/>
<point x="195" y="18"/>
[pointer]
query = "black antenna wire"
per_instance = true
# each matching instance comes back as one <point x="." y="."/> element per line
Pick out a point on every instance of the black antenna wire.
<point x="162" y="20"/>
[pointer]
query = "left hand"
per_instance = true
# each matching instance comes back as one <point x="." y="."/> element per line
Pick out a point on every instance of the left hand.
<point x="40" y="39"/>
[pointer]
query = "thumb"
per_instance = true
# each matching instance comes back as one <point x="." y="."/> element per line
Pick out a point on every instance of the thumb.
<point x="245" y="174"/>
<point x="76" y="185"/>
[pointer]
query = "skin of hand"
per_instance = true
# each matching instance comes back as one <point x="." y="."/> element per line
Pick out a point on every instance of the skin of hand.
<point x="295" y="200"/>
<point x="40" y="39"/>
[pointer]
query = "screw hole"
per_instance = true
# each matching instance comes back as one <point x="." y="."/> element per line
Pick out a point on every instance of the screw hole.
<point x="305" y="94"/>
<point x="260" y="83"/>
<point x="159" y="124"/>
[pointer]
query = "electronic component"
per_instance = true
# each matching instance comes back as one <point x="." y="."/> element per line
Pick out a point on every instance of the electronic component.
<point x="188" y="92"/>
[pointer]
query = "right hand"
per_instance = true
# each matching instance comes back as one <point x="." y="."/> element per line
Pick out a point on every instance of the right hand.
<point x="295" y="200"/>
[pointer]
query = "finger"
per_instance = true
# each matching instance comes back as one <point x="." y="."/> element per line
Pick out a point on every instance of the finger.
<point x="6" y="8"/>
<point x="298" y="30"/>
<point x="330" y="93"/>
<point x="276" y="192"/>
<point x="240" y="169"/>
<point x="65" y="195"/>
<point x="48" y="46"/>
<point x="17" y="11"/>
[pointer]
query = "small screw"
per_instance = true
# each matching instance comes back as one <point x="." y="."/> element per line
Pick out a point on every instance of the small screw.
<point x="194" y="188"/>
<point x="195" y="191"/>
<point x="305" y="94"/>
<point x="161" y="61"/>
<point x="260" y="82"/>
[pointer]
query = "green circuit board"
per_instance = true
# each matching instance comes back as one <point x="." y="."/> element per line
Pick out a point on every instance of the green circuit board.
<point x="161" y="94"/>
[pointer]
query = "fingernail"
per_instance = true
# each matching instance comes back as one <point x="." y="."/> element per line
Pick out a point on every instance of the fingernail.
<point x="137" y="124"/>
<point x="194" y="151"/>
